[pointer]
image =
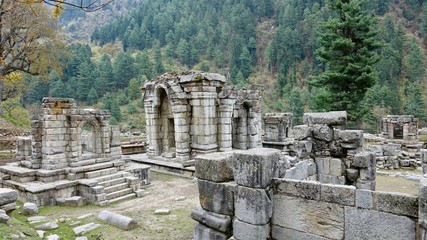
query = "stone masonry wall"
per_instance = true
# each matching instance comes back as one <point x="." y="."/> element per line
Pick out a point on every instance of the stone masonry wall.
<point x="241" y="197"/>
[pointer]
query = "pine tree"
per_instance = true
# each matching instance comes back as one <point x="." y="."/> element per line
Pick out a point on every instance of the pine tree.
<point x="158" y="67"/>
<point x="124" y="69"/>
<point x="134" y="91"/>
<point x="414" y="104"/>
<point x="416" y="69"/>
<point x="296" y="105"/>
<point x="348" y="47"/>
<point x="115" y="110"/>
<point x="92" y="97"/>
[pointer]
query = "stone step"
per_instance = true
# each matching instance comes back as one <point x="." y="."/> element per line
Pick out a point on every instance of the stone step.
<point x="100" y="173"/>
<point x="113" y="182"/>
<point x="119" y="193"/>
<point x="116" y="188"/>
<point x="97" y="166"/>
<point x="112" y="176"/>
<point x="127" y="196"/>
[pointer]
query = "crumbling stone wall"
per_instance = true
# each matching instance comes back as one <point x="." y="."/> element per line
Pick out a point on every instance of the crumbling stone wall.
<point x="196" y="112"/>
<point x="400" y="127"/>
<point x="57" y="137"/>
<point x="277" y="128"/>
<point x="242" y="197"/>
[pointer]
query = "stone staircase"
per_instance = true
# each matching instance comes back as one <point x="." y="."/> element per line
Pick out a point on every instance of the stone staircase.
<point x="115" y="185"/>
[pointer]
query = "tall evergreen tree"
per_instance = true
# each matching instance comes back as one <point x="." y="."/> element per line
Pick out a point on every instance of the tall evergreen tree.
<point x="416" y="69"/>
<point x="124" y="69"/>
<point x="348" y="47"/>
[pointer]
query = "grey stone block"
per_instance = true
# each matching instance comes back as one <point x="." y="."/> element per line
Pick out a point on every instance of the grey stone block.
<point x="278" y="232"/>
<point x="303" y="189"/>
<point x="364" y="160"/>
<point x="422" y="211"/>
<point x="246" y="231"/>
<point x="76" y="201"/>
<point x="202" y="232"/>
<point x="368" y="174"/>
<point x="4" y="218"/>
<point x="217" y="222"/>
<point x="309" y="216"/>
<point x="334" y="118"/>
<point x="47" y="226"/>
<point x="30" y="209"/>
<point x="7" y="196"/>
<point x="397" y="203"/>
<point x="336" y="167"/>
<point x="340" y="180"/>
<point x="340" y="194"/>
<point x="323" y="132"/>
<point x="253" y="206"/>
<point x="255" y="167"/>
<point x="117" y="220"/>
<point x="217" y="197"/>
<point x="361" y="224"/>
<point x="352" y="174"/>
<point x="391" y="149"/>
<point x="215" y="167"/>
<point x="301" y="132"/>
<point x="9" y="207"/>
<point x="364" y="199"/>
<point x="303" y="148"/>
<point x="298" y="172"/>
<point x="350" y="135"/>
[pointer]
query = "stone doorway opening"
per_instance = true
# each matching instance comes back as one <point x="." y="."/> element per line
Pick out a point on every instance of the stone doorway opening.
<point x="166" y="142"/>
<point x="398" y="131"/>
<point x="91" y="145"/>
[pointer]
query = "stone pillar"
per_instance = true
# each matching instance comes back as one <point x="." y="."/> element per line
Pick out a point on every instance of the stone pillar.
<point x="424" y="160"/>
<point x="36" y="133"/>
<point x="152" y="129"/>
<point x="422" y="208"/>
<point x="182" y="129"/>
<point x="204" y="120"/>
<point x="390" y="130"/>
<point x="225" y="112"/>
<point x="405" y="131"/>
<point x="253" y="173"/>
<point x="55" y="143"/>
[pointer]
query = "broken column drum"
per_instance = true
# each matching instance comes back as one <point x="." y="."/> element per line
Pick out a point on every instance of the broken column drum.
<point x="192" y="113"/>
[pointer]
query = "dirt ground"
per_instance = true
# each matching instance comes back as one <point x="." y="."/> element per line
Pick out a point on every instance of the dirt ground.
<point x="161" y="194"/>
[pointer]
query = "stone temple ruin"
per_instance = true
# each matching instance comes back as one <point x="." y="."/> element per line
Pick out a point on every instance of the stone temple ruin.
<point x="319" y="185"/>
<point x="403" y="127"/>
<point x="196" y="113"/>
<point x="59" y="161"/>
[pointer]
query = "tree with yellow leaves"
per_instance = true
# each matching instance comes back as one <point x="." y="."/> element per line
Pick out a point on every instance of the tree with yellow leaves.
<point x="28" y="41"/>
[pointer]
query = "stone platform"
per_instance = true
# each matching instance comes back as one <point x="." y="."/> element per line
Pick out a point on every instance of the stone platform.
<point x="164" y="165"/>
<point x="100" y="183"/>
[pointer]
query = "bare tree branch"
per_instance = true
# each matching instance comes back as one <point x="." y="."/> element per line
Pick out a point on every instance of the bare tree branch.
<point x="87" y="6"/>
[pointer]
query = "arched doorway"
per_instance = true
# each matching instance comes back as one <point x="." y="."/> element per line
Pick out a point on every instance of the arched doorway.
<point x="166" y="126"/>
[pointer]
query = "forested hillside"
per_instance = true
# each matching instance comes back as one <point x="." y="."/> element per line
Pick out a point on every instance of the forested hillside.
<point x="268" y="42"/>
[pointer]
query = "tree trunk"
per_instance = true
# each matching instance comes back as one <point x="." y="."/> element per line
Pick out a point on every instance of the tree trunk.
<point x="1" y="97"/>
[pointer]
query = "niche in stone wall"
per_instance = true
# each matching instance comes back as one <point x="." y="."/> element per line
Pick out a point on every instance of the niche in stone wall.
<point x="166" y="141"/>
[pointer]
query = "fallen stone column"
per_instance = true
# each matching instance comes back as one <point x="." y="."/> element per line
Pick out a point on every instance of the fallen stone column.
<point x="117" y="220"/>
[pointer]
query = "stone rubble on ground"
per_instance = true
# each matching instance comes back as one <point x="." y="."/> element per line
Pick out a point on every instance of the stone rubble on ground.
<point x="162" y="211"/>
<point x="47" y="226"/>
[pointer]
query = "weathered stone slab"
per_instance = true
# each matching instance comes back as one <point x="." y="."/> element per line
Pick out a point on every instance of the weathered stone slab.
<point x="299" y="172"/>
<point x="255" y="167"/>
<point x="253" y="206"/>
<point x="246" y="231"/>
<point x="217" y="222"/>
<point x="202" y="232"/>
<point x="215" y="167"/>
<point x="334" y="118"/>
<point x="364" y="199"/>
<point x="323" y="132"/>
<point x="7" y="196"/>
<point x="278" y="232"/>
<point x="47" y="226"/>
<point x="304" y="189"/>
<point x="80" y="230"/>
<point x="76" y="201"/>
<point x="361" y="224"/>
<point x="117" y="220"/>
<point x="397" y="203"/>
<point x="162" y="211"/>
<point x="4" y="218"/>
<point x="217" y="197"/>
<point x="340" y="194"/>
<point x="308" y="216"/>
